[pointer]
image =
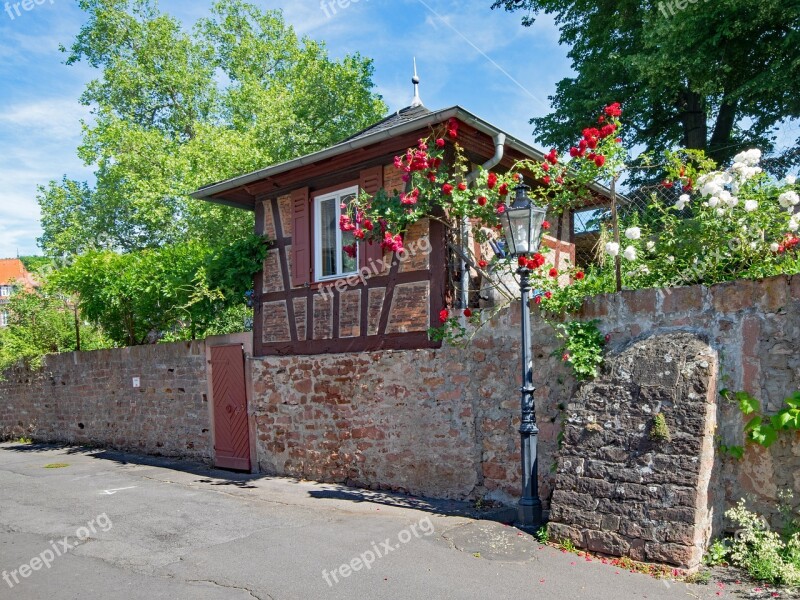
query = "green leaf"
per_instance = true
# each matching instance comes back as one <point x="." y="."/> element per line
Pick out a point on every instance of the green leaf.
<point x="753" y="424"/>
<point x="747" y="403"/>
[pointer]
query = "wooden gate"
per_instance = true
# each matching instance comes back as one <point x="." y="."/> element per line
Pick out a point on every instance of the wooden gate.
<point x="231" y="430"/>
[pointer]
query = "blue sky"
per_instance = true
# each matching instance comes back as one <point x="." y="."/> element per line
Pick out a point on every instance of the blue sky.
<point x="466" y="54"/>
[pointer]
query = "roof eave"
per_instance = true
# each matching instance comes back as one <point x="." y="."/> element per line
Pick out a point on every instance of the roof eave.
<point x="208" y="192"/>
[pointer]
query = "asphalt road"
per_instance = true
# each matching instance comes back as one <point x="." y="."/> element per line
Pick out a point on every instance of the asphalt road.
<point x="116" y="526"/>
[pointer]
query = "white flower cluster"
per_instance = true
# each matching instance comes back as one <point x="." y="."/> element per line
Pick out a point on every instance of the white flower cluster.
<point x="745" y="164"/>
<point x="632" y="233"/>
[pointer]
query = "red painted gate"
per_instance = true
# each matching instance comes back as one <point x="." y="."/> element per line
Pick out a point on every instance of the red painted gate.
<point x="231" y="430"/>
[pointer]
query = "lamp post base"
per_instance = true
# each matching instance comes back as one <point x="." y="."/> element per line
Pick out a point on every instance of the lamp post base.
<point x="529" y="514"/>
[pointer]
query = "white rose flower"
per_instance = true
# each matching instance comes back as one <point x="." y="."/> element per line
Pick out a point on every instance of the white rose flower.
<point x="713" y="202"/>
<point x="633" y="233"/>
<point x="790" y="179"/>
<point x="788" y="199"/>
<point x="671" y="259"/>
<point x="612" y="248"/>
<point x="750" y="205"/>
<point x="720" y="212"/>
<point x="724" y="195"/>
<point x="774" y="247"/>
<point x="732" y="201"/>
<point x="630" y="253"/>
<point x="651" y="246"/>
<point x="793" y="224"/>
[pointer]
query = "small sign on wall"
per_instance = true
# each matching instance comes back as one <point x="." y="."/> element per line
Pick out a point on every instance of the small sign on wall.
<point x="137" y="382"/>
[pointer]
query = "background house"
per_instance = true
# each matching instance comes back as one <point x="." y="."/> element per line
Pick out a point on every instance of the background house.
<point x="13" y="275"/>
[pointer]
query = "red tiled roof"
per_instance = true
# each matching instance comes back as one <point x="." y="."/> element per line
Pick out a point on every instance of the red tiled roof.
<point x="12" y="269"/>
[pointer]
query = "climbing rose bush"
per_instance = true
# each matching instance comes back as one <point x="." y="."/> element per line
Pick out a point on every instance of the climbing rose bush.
<point x="726" y="224"/>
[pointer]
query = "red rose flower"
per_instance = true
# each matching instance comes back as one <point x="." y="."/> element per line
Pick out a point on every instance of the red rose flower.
<point x="443" y="315"/>
<point x="482" y="200"/>
<point x="553" y="272"/>
<point x="522" y="261"/>
<point x="599" y="160"/>
<point x="462" y="186"/>
<point x="548" y="295"/>
<point x="613" y="110"/>
<point x="440" y="143"/>
<point x="559" y="180"/>
<point x="491" y="181"/>
<point x="447" y="189"/>
<point x="546" y="180"/>
<point x="368" y="225"/>
<point x="579" y="275"/>
<point x="538" y="299"/>
<point x="501" y="208"/>
<point x="503" y="189"/>
<point x="545" y="167"/>
<point x="467" y="313"/>
<point x="573" y="152"/>
<point x="545" y="224"/>
<point x="482" y="264"/>
<point x="667" y="184"/>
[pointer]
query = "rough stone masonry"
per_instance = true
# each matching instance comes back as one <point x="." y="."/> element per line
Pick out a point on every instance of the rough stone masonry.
<point x="626" y="486"/>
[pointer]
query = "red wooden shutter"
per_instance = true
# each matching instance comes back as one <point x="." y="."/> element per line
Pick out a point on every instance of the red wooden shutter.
<point x="301" y="237"/>
<point x="371" y="180"/>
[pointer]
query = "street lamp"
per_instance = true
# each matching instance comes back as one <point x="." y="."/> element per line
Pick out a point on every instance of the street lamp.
<point x="522" y="225"/>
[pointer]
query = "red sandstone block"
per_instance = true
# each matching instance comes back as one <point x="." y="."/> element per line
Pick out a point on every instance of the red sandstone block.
<point x="640" y="301"/>
<point x="795" y="287"/>
<point x="733" y="296"/>
<point x="773" y="293"/>
<point x="682" y="299"/>
<point x="595" y="306"/>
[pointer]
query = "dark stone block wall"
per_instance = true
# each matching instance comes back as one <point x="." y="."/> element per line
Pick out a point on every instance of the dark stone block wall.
<point x="626" y="486"/>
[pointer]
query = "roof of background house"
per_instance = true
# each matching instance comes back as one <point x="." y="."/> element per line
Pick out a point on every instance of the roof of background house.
<point x="403" y="121"/>
<point x="12" y="269"/>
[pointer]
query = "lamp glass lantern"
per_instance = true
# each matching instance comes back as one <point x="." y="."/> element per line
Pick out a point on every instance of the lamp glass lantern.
<point x="522" y="223"/>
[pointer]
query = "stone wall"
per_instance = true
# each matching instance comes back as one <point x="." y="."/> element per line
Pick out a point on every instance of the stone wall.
<point x="443" y="422"/>
<point x="638" y="452"/>
<point x="89" y="398"/>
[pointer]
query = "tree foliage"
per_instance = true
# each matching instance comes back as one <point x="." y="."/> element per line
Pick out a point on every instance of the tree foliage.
<point x="175" y="292"/>
<point x="174" y="110"/>
<point x="43" y="322"/>
<point x="715" y="76"/>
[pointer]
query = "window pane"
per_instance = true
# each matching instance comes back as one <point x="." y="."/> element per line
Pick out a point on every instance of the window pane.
<point x="349" y="263"/>
<point x="328" y="227"/>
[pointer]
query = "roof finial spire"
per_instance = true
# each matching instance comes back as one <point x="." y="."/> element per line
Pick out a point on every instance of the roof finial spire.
<point x="415" y="80"/>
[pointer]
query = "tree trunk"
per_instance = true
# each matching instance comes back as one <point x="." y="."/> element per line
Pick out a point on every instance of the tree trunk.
<point x="693" y="116"/>
<point x="721" y="138"/>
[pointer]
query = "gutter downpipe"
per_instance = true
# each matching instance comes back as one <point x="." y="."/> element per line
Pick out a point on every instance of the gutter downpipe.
<point x="499" y="152"/>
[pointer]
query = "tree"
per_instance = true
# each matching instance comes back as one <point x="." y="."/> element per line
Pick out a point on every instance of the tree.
<point x="175" y="110"/>
<point x="43" y="322"/>
<point x="715" y="76"/>
<point x="175" y="292"/>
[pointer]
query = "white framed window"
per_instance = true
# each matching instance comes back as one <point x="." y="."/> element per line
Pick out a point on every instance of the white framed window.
<point x="6" y="290"/>
<point x="3" y="318"/>
<point x="331" y="261"/>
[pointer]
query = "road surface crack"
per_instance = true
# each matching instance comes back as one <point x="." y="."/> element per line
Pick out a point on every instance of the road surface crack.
<point x="232" y="587"/>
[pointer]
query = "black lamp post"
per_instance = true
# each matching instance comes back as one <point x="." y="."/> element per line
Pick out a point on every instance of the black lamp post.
<point x="522" y="225"/>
